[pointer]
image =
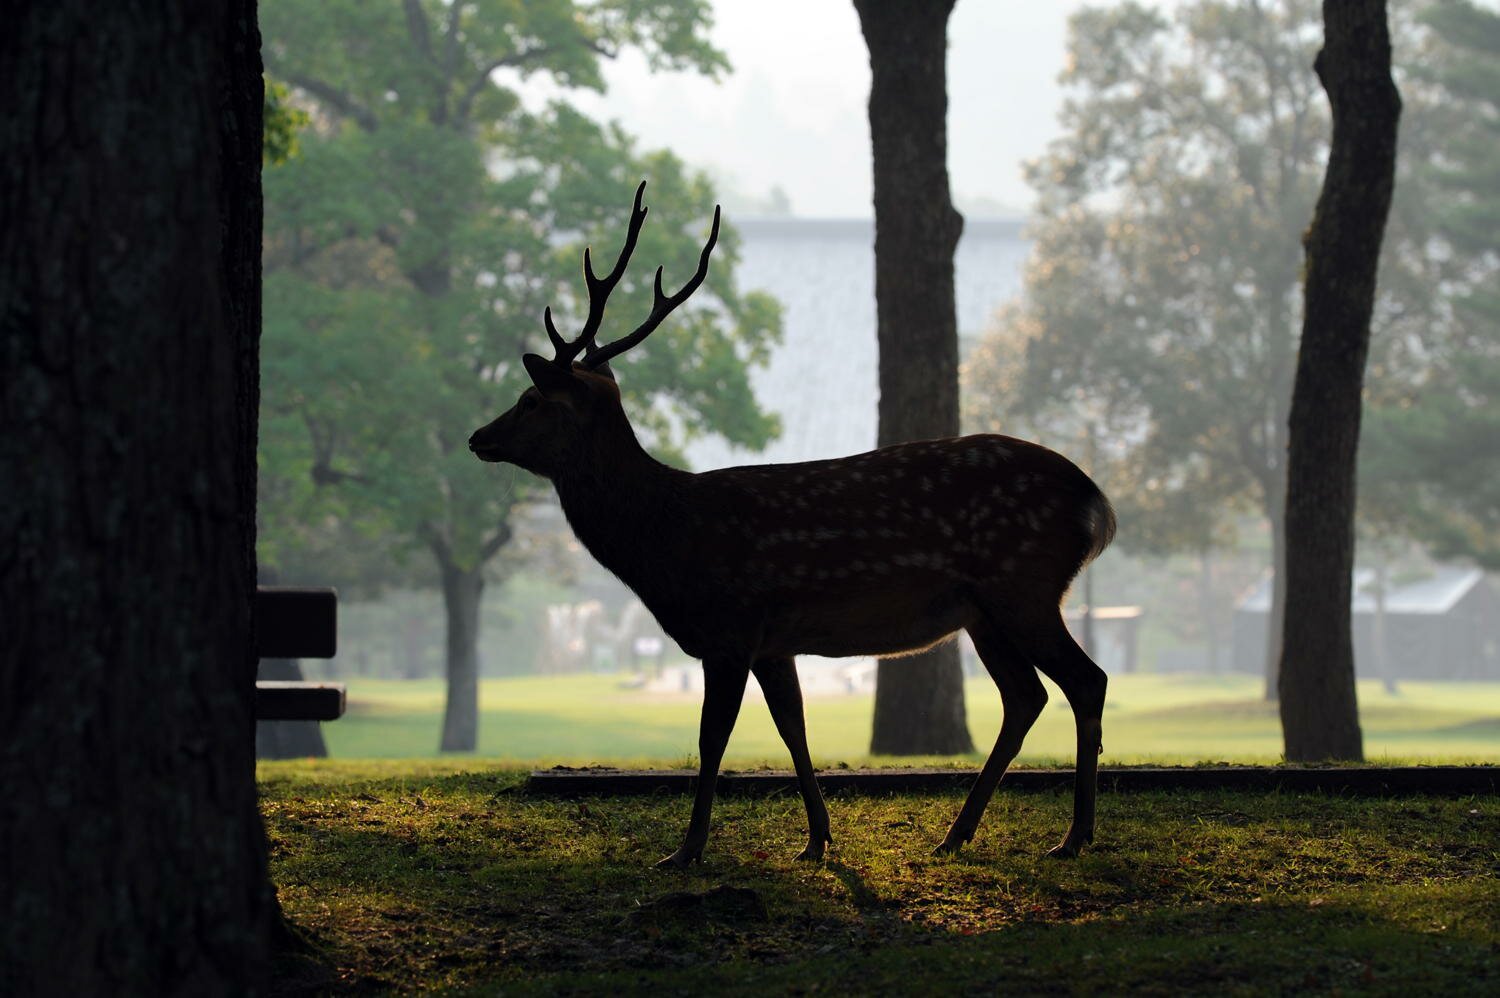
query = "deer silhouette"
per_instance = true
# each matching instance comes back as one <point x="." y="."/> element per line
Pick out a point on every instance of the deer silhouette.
<point x="884" y="553"/>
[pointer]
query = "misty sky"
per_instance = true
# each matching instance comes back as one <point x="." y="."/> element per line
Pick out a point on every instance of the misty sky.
<point x="793" y="111"/>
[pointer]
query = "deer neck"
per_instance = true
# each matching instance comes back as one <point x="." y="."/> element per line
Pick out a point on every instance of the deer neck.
<point x="618" y="499"/>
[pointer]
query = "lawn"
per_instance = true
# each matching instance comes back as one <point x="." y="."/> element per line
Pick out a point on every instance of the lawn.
<point x="447" y="876"/>
<point x="1148" y="718"/>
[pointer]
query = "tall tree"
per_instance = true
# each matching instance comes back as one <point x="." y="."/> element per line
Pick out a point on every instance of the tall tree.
<point x="919" y="701"/>
<point x="415" y="241"/>
<point x="131" y="850"/>
<point x="1319" y="714"/>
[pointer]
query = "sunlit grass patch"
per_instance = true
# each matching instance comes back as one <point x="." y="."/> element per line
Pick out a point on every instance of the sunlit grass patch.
<point x="578" y="720"/>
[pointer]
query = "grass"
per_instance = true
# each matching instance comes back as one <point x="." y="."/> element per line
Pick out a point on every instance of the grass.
<point x="1149" y="718"/>
<point x="444" y="876"/>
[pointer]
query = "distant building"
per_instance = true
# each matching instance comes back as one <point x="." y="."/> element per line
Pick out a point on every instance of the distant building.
<point x="1446" y="626"/>
<point x="823" y="378"/>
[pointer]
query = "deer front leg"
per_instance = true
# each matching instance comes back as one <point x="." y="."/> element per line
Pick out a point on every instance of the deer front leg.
<point x="778" y="681"/>
<point x="723" y="691"/>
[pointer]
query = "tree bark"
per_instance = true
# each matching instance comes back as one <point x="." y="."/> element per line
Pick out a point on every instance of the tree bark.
<point x="462" y="589"/>
<point x="131" y="849"/>
<point x="1319" y="714"/>
<point x="919" y="701"/>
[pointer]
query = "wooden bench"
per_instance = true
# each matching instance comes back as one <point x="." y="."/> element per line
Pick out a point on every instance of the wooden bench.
<point x="293" y="622"/>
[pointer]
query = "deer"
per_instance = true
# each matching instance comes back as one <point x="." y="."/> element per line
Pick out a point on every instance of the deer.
<point x="885" y="553"/>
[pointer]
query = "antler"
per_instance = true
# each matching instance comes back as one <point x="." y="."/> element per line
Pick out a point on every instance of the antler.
<point x="599" y="291"/>
<point x="662" y="305"/>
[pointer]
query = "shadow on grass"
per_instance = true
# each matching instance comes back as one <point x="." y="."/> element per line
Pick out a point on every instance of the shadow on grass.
<point x="453" y="882"/>
<point x="1239" y="947"/>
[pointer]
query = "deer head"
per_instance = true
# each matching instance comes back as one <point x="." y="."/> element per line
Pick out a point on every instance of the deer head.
<point x="573" y="406"/>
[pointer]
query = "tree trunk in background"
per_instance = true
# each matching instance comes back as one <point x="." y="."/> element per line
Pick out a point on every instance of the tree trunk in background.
<point x="1319" y="714"/>
<point x="1207" y="608"/>
<point x="287" y="739"/>
<point x="919" y="701"/>
<point x="1282" y="335"/>
<point x="131" y="850"/>
<point x="1276" y="610"/>
<point x="1380" y="635"/>
<point x="462" y="589"/>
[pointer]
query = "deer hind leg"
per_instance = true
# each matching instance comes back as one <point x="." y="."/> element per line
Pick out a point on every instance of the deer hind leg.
<point x="1058" y="656"/>
<point x="723" y="690"/>
<point x="1022" y="697"/>
<point x="778" y="681"/>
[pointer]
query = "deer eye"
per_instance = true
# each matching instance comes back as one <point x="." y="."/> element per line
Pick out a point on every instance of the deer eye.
<point x="528" y="402"/>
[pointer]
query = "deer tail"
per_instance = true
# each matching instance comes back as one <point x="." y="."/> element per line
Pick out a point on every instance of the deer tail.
<point x="1099" y="522"/>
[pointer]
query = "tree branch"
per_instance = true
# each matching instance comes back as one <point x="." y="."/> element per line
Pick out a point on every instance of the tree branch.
<point x="437" y="76"/>
<point x="436" y="543"/>
<point x="450" y="39"/>
<point x="512" y="61"/>
<point x="416" y="27"/>
<point x="336" y="99"/>
<point x="497" y="540"/>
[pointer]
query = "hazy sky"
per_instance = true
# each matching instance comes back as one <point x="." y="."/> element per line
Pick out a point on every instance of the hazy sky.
<point x="793" y="110"/>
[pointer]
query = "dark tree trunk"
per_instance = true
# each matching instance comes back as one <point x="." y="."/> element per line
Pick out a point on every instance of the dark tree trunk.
<point x="462" y="589"/>
<point x="1319" y="715"/>
<point x="287" y="739"/>
<point x="131" y="850"/>
<point x="919" y="701"/>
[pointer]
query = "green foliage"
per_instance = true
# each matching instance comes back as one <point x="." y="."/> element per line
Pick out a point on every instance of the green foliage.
<point x="412" y="245"/>
<point x="435" y="878"/>
<point x="283" y="120"/>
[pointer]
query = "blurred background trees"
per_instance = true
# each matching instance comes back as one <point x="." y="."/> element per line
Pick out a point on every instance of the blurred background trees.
<point x="411" y="245"/>
<point x="440" y="190"/>
<point x="1432" y="451"/>
<point x="1160" y="311"/>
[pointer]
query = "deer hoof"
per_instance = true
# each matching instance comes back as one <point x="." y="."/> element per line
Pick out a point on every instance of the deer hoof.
<point x="681" y="859"/>
<point x="1069" y="848"/>
<point x="813" y="853"/>
<point x="950" y="845"/>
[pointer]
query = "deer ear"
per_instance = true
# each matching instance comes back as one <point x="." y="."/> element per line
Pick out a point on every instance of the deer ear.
<point x="548" y="377"/>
